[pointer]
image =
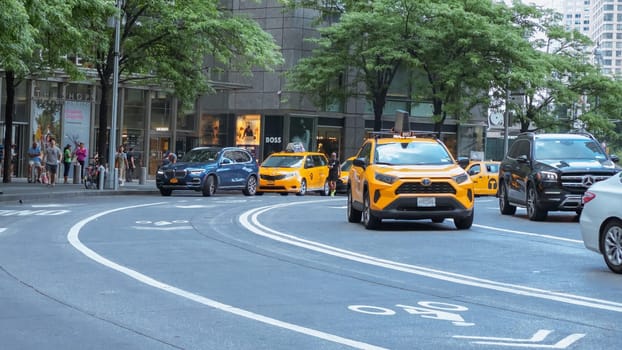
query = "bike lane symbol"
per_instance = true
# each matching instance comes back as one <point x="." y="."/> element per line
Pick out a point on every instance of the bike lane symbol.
<point x="426" y="309"/>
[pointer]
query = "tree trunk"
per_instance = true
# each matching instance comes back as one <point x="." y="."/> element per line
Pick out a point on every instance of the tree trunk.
<point x="438" y="111"/>
<point x="8" y="124"/>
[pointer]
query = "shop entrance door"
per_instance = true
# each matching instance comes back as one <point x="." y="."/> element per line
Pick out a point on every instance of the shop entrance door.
<point x="158" y="145"/>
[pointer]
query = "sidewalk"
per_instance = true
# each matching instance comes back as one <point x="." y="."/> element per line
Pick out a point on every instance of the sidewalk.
<point x="20" y="189"/>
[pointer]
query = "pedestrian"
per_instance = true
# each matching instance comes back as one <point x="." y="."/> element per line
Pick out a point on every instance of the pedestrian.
<point x="334" y="171"/>
<point x="34" y="162"/>
<point x="120" y="162"/>
<point x="172" y="158"/>
<point x="66" y="162"/>
<point x="52" y="157"/>
<point x="131" y="164"/>
<point x="165" y="158"/>
<point x="13" y="160"/>
<point x="81" y="154"/>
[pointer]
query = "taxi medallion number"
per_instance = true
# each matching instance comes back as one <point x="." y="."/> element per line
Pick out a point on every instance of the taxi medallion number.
<point x="426" y="201"/>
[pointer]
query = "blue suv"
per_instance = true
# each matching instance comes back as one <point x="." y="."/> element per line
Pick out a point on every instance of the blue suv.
<point x="207" y="169"/>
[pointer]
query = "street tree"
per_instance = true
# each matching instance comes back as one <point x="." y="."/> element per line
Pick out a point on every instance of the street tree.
<point x="35" y="36"/>
<point x="177" y="45"/>
<point x="361" y="49"/>
<point x="454" y="49"/>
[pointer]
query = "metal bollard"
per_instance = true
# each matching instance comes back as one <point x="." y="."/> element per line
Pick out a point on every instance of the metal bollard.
<point x="102" y="175"/>
<point x="143" y="176"/>
<point x="77" y="173"/>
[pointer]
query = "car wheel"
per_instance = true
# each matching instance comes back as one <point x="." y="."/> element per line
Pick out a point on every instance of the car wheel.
<point x="353" y="214"/>
<point x="438" y="220"/>
<point x="534" y="213"/>
<point x="303" y="188"/>
<point x="166" y="192"/>
<point x="251" y="186"/>
<point x="369" y="220"/>
<point x="209" y="187"/>
<point x="611" y="245"/>
<point x="504" y="205"/>
<point x="326" y="189"/>
<point x="464" y="223"/>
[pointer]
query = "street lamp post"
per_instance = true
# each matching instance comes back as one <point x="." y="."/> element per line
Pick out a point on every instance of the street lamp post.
<point x="112" y="183"/>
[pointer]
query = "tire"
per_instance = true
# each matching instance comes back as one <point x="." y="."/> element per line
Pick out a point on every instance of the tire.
<point x="209" y="187"/>
<point x="466" y="222"/>
<point x="369" y="220"/>
<point x="251" y="186"/>
<point x="534" y="213"/>
<point x="353" y="214"/>
<point x="303" y="188"/>
<point x="611" y="245"/>
<point x="325" y="190"/>
<point x="166" y="192"/>
<point x="504" y="205"/>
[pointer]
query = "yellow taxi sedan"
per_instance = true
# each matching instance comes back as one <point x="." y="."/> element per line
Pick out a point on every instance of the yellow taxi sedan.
<point x="342" y="182"/>
<point x="485" y="177"/>
<point x="294" y="172"/>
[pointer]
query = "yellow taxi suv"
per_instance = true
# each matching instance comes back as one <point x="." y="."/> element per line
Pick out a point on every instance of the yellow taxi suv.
<point x="294" y="172"/>
<point x="485" y="177"/>
<point x="408" y="178"/>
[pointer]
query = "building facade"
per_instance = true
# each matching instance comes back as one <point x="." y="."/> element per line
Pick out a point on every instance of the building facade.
<point x="256" y="112"/>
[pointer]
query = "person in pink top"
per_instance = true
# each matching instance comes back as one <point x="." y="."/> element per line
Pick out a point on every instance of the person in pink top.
<point x="81" y="154"/>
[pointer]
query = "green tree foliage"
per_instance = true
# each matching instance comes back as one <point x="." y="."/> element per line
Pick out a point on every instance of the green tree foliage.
<point x="34" y="38"/>
<point x="168" y="42"/>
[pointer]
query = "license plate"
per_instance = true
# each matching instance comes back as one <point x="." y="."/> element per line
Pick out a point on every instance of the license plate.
<point x="426" y="202"/>
<point x="174" y="180"/>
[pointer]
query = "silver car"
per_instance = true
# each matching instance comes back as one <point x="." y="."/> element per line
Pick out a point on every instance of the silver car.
<point x="601" y="220"/>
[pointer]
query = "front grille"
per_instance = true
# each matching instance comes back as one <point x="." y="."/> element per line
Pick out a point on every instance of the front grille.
<point x="272" y="177"/>
<point x="581" y="181"/>
<point x="417" y="187"/>
<point x="171" y="173"/>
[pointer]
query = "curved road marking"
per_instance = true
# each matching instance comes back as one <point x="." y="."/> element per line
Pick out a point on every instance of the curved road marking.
<point x="250" y="220"/>
<point x="74" y="240"/>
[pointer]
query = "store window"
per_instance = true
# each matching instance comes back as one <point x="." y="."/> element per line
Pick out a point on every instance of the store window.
<point x="212" y="130"/>
<point x="300" y="130"/>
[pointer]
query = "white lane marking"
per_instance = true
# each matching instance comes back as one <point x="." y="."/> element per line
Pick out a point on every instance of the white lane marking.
<point x="250" y="220"/>
<point x="529" y="234"/>
<point x="74" y="240"/>
<point x="2" y="229"/>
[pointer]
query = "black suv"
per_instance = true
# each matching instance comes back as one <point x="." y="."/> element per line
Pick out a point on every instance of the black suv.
<point x="550" y="172"/>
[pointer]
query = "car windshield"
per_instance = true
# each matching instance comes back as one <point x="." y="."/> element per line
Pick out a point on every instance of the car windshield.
<point x="568" y="149"/>
<point x="412" y="153"/>
<point x="282" y="161"/>
<point x="204" y="155"/>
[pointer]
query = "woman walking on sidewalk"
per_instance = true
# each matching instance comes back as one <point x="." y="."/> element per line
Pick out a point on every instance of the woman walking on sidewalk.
<point x="66" y="162"/>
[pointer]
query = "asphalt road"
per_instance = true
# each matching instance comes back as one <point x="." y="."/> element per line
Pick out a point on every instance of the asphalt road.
<point x="275" y="272"/>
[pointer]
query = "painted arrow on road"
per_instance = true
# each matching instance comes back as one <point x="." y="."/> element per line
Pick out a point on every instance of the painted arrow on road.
<point x="532" y="342"/>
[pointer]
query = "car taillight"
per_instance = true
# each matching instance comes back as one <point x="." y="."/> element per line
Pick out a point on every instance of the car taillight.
<point x="587" y="196"/>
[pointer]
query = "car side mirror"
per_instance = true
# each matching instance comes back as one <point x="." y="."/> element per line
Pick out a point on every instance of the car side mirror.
<point x="614" y="158"/>
<point x="360" y="162"/>
<point x="226" y="161"/>
<point x="463" y="162"/>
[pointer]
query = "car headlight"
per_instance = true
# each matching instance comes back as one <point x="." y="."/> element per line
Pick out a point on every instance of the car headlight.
<point x="288" y="175"/>
<point x="461" y="178"/>
<point x="160" y="172"/>
<point x="195" y="171"/>
<point x="546" y="176"/>
<point x="385" y="178"/>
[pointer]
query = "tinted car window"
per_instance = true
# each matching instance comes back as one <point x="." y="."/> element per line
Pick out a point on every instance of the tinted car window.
<point x="319" y="160"/>
<point x="492" y="168"/>
<point x="475" y="169"/>
<point x="519" y="148"/>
